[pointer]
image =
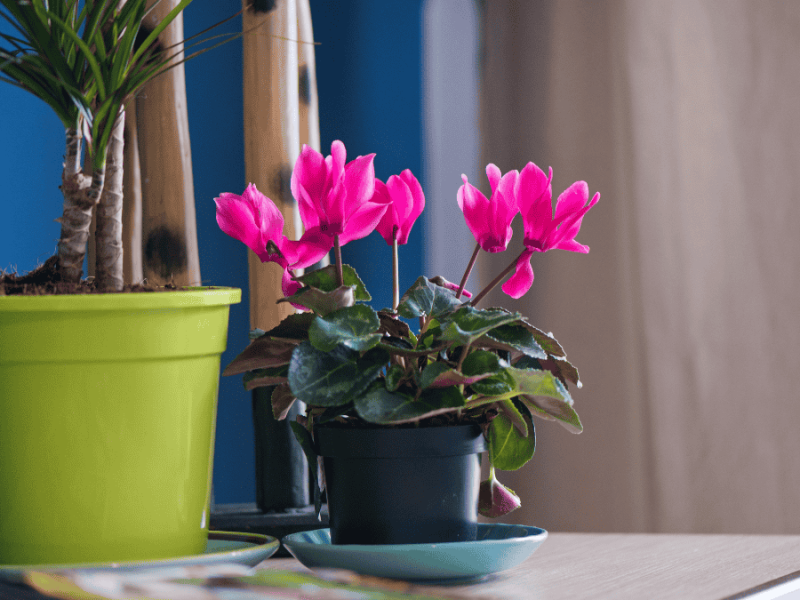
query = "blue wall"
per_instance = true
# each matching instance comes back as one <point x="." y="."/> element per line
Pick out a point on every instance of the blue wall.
<point x="369" y="71"/>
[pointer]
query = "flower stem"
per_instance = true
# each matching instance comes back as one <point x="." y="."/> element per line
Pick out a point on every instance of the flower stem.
<point x="337" y="252"/>
<point x="471" y="264"/>
<point x="395" y="274"/>
<point x="496" y="280"/>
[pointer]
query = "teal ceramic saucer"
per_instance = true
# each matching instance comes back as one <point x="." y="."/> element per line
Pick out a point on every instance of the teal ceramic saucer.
<point x="498" y="547"/>
<point x="246" y="549"/>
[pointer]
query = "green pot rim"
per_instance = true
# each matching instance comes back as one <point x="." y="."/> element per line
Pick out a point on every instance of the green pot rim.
<point x="185" y="297"/>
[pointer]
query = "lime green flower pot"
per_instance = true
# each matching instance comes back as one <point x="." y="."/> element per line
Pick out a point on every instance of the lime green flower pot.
<point x="107" y="418"/>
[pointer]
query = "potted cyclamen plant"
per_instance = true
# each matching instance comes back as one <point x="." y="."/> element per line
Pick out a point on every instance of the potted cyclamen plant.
<point x="399" y="417"/>
<point x="108" y="401"/>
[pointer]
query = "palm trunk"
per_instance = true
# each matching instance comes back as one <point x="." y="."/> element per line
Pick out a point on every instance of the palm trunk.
<point x="81" y="193"/>
<point x="108" y="232"/>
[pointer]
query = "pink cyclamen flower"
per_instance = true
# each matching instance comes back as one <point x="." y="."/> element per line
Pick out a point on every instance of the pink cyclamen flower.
<point x="495" y="499"/>
<point x="404" y="193"/>
<point x="253" y="219"/>
<point x="335" y="198"/>
<point x="489" y="220"/>
<point x="546" y="229"/>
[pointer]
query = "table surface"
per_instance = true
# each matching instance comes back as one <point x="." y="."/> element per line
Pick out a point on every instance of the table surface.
<point x="640" y="566"/>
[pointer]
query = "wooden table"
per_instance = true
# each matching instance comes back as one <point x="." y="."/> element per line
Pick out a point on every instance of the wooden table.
<point x="580" y="566"/>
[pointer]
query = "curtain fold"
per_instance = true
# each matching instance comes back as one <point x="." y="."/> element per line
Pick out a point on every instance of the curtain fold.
<point x="683" y="318"/>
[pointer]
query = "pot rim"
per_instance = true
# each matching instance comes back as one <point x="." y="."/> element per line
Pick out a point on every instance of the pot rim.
<point x="384" y="442"/>
<point x="179" y="298"/>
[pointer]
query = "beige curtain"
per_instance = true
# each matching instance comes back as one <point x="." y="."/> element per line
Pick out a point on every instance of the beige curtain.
<point x="684" y="319"/>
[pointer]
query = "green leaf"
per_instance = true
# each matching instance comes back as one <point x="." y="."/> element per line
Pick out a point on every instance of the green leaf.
<point x="325" y="279"/>
<point x="509" y="409"/>
<point x="467" y="324"/>
<point x="539" y="383"/>
<point x="282" y="400"/>
<point x="265" y="377"/>
<point x="551" y="409"/>
<point x="381" y="406"/>
<point x="353" y="326"/>
<point x="477" y="366"/>
<point x="513" y="337"/>
<point x="262" y="353"/>
<point x="547" y="398"/>
<point x="306" y="442"/>
<point x="545" y="340"/>
<point x="394" y="376"/>
<point x="426" y="299"/>
<point x="482" y="363"/>
<point x="333" y="378"/>
<point x="322" y="302"/>
<point x="293" y="327"/>
<point x="393" y="326"/>
<point x="508" y="448"/>
<point x="501" y="384"/>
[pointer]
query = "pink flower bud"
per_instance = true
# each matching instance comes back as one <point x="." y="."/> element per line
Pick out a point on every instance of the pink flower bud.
<point x="495" y="499"/>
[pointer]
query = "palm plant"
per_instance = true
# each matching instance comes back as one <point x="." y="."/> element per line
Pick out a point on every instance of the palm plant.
<point x="86" y="59"/>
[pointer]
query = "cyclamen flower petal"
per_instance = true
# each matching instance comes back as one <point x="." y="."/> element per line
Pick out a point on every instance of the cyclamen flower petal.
<point x="489" y="220"/>
<point x="289" y="287"/>
<point x="495" y="499"/>
<point x="254" y="219"/>
<point x="407" y="202"/>
<point x="521" y="281"/>
<point x="546" y="229"/>
<point x="334" y="197"/>
<point x="308" y="250"/>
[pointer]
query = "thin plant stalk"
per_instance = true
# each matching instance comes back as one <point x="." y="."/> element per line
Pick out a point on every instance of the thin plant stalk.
<point x="467" y="273"/>
<point x="493" y="284"/>
<point x="395" y="273"/>
<point x="337" y="253"/>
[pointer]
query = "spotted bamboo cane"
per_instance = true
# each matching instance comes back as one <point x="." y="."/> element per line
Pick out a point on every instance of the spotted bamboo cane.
<point x="169" y="228"/>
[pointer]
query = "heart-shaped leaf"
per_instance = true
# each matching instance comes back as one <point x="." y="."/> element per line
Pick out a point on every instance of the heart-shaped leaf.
<point x="513" y="337"/>
<point x="333" y="378"/>
<point x="393" y="326"/>
<point x="265" y="352"/>
<point x="293" y="327"/>
<point x="381" y="406"/>
<point x="353" y="326"/>
<point x="508" y="448"/>
<point x="282" y="401"/>
<point x="468" y="323"/>
<point x="265" y="377"/>
<point x="545" y="340"/>
<point x="500" y="384"/>
<point x="539" y="383"/>
<point x="322" y="302"/>
<point x="303" y="437"/>
<point x="394" y="375"/>
<point x="426" y="299"/>
<point x="509" y="409"/>
<point x="324" y="279"/>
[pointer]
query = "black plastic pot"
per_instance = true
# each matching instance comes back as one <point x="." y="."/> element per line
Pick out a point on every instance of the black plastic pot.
<point x="402" y="486"/>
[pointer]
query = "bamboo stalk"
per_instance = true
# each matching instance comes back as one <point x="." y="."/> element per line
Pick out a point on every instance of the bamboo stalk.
<point x="271" y="135"/>
<point x="307" y="78"/>
<point x="132" y="204"/>
<point x="169" y="228"/>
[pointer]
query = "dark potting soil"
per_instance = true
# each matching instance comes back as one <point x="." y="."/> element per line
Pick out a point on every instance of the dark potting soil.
<point x="46" y="280"/>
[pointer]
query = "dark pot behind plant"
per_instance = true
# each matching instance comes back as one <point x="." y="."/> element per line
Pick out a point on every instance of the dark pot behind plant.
<point x="402" y="485"/>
